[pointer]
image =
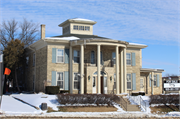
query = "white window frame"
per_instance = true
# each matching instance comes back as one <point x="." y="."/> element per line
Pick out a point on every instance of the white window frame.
<point x="129" y="81"/>
<point x="76" y="81"/>
<point x="58" y="80"/>
<point x="128" y="59"/>
<point x="78" y="56"/>
<point x="34" y="59"/>
<point x="60" y="56"/>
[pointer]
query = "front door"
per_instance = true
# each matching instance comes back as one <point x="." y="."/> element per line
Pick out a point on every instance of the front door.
<point x="94" y="85"/>
<point x="141" y="84"/>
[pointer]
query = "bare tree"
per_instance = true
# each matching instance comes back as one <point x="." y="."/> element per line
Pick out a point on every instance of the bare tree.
<point x="26" y="31"/>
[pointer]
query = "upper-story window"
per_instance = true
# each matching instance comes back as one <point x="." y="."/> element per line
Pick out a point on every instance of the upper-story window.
<point x="155" y="80"/>
<point x="34" y="59"/>
<point x="87" y="28"/>
<point x="60" y="56"/>
<point x="92" y="57"/>
<point x="75" y="27"/>
<point x="128" y="58"/>
<point x="82" y="28"/>
<point x="114" y="57"/>
<point x="66" y="29"/>
<point x="76" y="56"/>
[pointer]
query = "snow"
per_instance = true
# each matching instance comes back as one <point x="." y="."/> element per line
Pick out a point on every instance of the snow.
<point x="63" y="38"/>
<point x="136" y="44"/>
<point x="80" y="19"/>
<point x="12" y="107"/>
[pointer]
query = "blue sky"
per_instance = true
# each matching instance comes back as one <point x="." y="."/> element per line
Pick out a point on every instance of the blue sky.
<point x="155" y="23"/>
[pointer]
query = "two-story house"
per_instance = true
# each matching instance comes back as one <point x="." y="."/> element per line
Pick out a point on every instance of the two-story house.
<point x="81" y="62"/>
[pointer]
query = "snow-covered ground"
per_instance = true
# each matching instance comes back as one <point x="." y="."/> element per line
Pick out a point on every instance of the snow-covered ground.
<point x="11" y="106"/>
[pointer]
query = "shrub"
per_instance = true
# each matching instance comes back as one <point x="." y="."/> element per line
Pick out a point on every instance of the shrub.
<point x="135" y="94"/>
<point x="52" y="89"/>
<point x="142" y="93"/>
<point x="64" y="91"/>
<point x="87" y="99"/>
<point x="163" y="99"/>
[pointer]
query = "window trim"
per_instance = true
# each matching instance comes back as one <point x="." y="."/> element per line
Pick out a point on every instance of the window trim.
<point x="57" y="80"/>
<point x="129" y="81"/>
<point x="129" y="59"/>
<point x="57" y="55"/>
<point x="78" y="81"/>
<point x="79" y="57"/>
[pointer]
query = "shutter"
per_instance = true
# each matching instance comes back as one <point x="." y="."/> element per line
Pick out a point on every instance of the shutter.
<point x="66" y="80"/>
<point x="67" y="56"/>
<point x="133" y="59"/>
<point x="157" y="80"/>
<point x="134" y="80"/>
<point x="149" y="80"/>
<point x="53" y="55"/>
<point x="53" y="80"/>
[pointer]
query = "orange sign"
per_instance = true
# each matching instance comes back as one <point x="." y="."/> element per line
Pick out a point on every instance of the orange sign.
<point x="7" y="71"/>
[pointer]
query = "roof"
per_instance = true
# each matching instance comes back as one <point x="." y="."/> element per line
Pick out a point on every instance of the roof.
<point x="151" y="70"/>
<point x="79" y="36"/>
<point x="78" y="20"/>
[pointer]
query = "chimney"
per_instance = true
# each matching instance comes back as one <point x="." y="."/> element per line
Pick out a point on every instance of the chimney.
<point x="42" y="31"/>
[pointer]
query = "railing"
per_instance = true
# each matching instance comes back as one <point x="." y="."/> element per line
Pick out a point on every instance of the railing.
<point x="137" y="100"/>
<point x="103" y="63"/>
<point x="123" y="103"/>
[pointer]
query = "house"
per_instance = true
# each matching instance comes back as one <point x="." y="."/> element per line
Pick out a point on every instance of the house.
<point x="171" y="84"/>
<point x="81" y="62"/>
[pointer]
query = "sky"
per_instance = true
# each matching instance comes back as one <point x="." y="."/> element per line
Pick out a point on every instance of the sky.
<point x="155" y="23"/>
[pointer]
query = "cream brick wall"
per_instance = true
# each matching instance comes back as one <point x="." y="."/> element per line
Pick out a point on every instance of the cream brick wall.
<point x="136" y="68"/>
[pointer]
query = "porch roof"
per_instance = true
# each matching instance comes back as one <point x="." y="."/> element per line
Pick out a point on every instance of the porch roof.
<point x="151" y="70"/>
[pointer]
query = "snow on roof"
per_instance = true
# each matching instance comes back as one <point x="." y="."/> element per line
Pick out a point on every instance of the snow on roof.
<point x="63" y="38"/>
<point x="80" y="19"/>
<point x="135" y="44"/>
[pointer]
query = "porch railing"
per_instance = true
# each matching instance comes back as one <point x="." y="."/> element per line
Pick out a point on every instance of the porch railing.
<point x="93" y="63"/>
<point x="123" y="103"/>
<point x="138" y="101"/>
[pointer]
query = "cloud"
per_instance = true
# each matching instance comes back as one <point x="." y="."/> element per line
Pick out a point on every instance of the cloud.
<point x="132" y="20"/>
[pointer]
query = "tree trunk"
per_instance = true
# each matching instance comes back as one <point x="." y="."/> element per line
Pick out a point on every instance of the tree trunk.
<point x="16" y="80"/>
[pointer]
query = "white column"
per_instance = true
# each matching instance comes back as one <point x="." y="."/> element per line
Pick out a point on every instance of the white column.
<point x="82" y="69"/>
<point x="152" y="82"/>
<point x="71" y="69"/>
<point x="125" y="80"/>
<point x="117" y="70"/>
<point x="98" y="68"/>
<point x="122" y="85"/>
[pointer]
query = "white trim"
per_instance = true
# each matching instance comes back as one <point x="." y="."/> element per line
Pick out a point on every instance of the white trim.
<point x="57" y="55"/>
<point x="73" y="81"/>
<point x="129" y="81"/>
<point x="128" y="59"/>
<point x="57" y="80"/>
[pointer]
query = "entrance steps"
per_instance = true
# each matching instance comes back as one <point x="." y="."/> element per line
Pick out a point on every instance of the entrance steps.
<point x="128" y="106"/>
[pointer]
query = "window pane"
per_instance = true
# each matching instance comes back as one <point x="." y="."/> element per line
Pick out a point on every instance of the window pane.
<point x="60" y="52"/>
<point x="60" y="84"/>
<point x="60" y="59"/>
<point x="128" y="85"/>
<point x="92" y="57"/>
<point x="129" y="77"/>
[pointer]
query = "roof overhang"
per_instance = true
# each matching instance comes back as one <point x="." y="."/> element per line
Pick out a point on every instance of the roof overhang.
<point x="135" y="45"/>
<point x="151" y="70"/>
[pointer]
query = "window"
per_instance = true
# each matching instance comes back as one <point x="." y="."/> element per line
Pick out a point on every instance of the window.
<point x="76" y="56"/>
<point x="34" y="59"/>
<point x="27" y="61"/>
<point x="102" y="58"/>
<point x="92" y="57"/>
<point x="60" y="81"/>
<point x="114" y="81"/>
<point x="105" y="81"/>
<point x="66" y="29"/>
<point x="155" y="80"/>
<point x="114" y="57"/>
<point x="81" y="28"/>
<point x="94" y="81"/>
<point x="128" y="81"/>
<point x="87" y="28"/>
<point x="76" y="81"/>
<point x="128" y="58"/>
<point x="60" y="55"/>
<point x="75" y="27"/>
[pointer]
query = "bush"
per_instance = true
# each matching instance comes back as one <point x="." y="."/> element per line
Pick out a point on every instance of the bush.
<point x="135" y="94"/>
<point x="52" y="89"/>
<point x="163" y="99"/>
<point x="142" y="93"/>
<point x="87" y="99"/>
<point x="64" y="91"/>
